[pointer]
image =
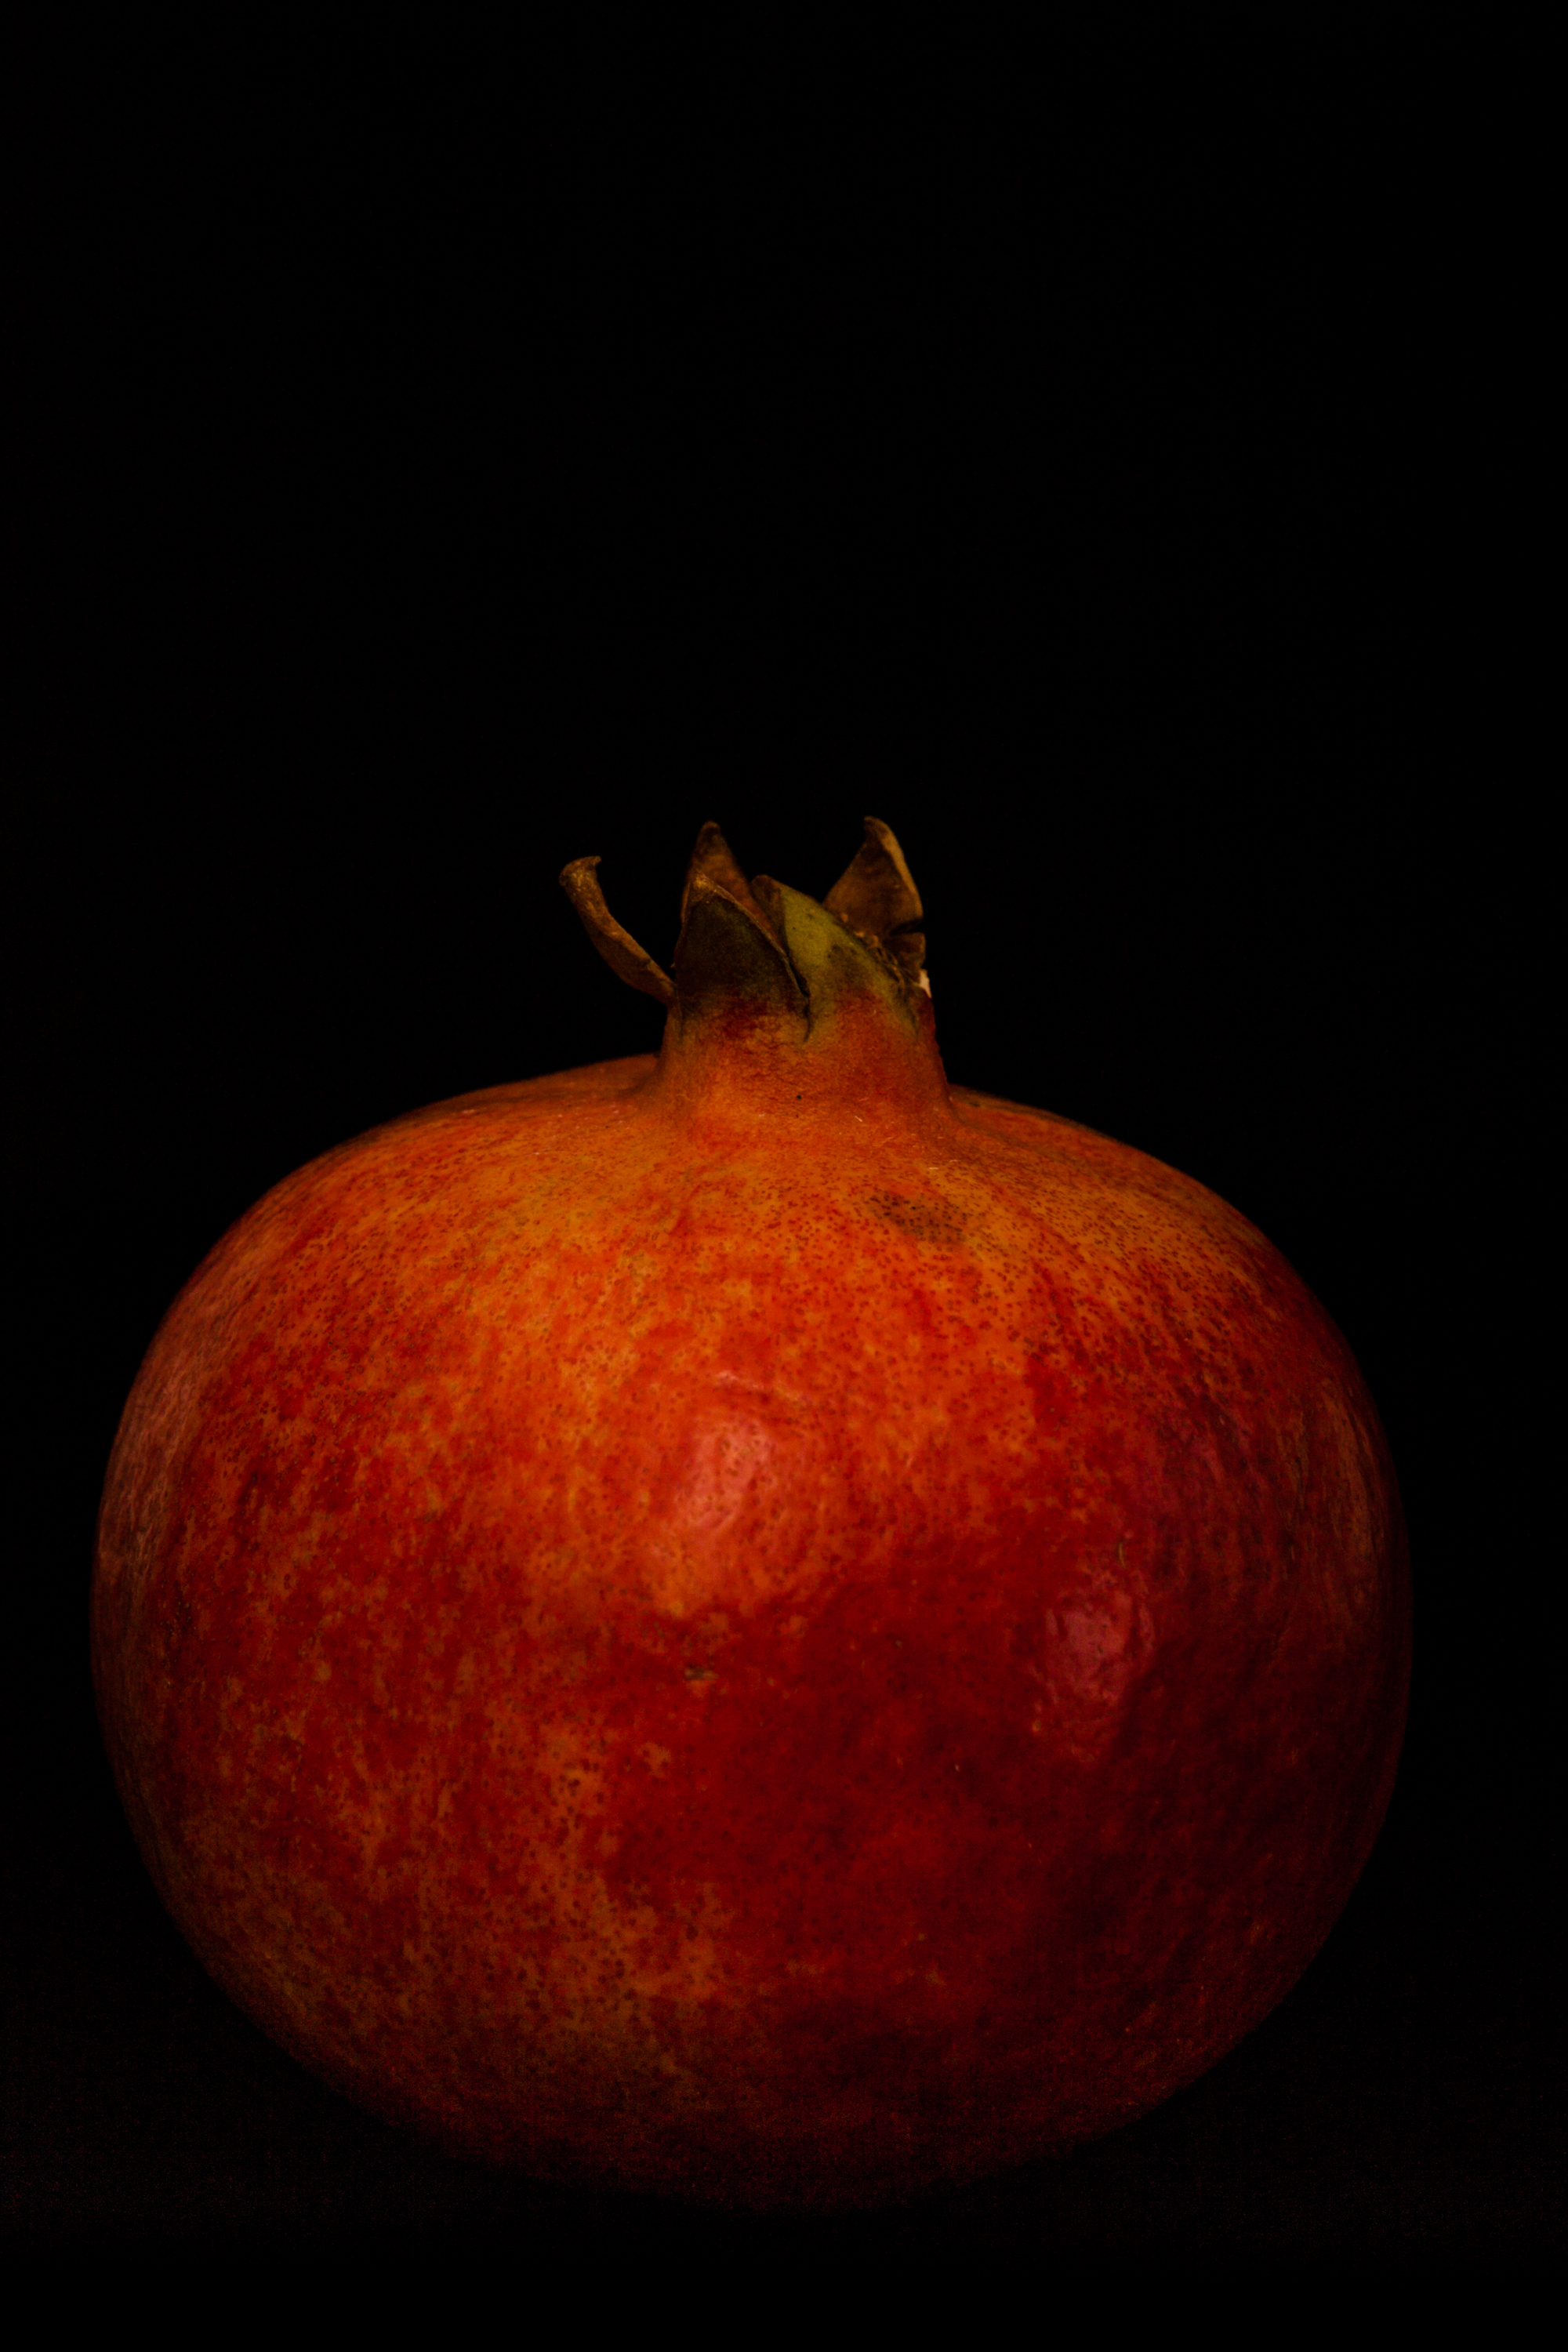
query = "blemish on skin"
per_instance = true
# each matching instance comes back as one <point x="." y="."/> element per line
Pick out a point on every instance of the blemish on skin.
<point x="925" y="1220"/>
<point x="699" y="1674"/>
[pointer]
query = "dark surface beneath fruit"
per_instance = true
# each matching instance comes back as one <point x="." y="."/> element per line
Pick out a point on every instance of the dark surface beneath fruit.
<point x="1152" y="645"/>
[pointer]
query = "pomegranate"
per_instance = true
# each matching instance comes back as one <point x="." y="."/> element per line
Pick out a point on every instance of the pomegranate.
<point x="749" y="1624"/>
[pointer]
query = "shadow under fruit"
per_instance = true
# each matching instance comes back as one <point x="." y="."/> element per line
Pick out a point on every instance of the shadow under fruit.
<point x="746" y="1623"/>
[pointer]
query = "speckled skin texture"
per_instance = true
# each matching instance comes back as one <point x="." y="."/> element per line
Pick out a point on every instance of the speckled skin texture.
<point x="747" y="1626"/>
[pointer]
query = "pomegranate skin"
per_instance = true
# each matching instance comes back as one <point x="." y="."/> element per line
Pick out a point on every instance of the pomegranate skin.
<point x="774" y="1650"/>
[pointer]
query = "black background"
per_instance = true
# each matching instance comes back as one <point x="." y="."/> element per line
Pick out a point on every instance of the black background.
<point x="420" y="487"/>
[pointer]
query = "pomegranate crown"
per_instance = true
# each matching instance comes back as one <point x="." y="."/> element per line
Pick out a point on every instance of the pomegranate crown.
<point x="761" y="941"/>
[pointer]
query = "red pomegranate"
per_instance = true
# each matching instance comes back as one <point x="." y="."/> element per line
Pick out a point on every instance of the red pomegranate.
<point x="749" y="1624"/>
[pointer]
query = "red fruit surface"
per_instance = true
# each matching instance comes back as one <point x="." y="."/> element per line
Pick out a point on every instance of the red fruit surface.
<point x="747" y="1624"/>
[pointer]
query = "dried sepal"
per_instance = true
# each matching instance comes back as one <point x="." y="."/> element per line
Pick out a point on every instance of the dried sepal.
<point x="726" y="949"/>
<point x="626" y="959"/>
<point x="760" y="942"/>
<point x="714" y="861"/>
<point x="875" y="894"/>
